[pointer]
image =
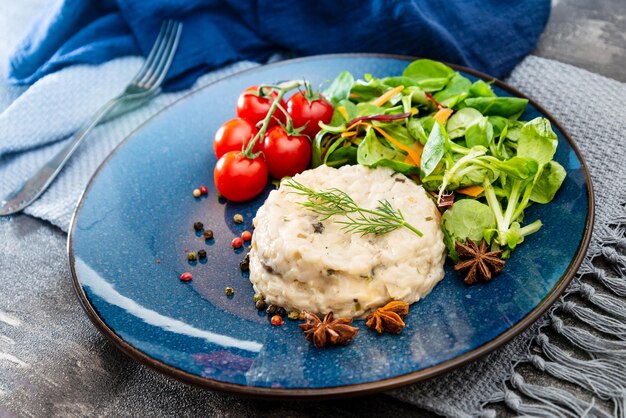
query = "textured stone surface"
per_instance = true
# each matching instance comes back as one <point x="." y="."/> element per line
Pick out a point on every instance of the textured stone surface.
<point x="587" y="34"/>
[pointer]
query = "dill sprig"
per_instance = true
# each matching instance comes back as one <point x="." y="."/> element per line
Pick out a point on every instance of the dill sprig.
<point x="360" y="220"/>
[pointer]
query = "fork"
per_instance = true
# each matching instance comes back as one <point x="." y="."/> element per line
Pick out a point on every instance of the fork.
<point x="145" y="85"/>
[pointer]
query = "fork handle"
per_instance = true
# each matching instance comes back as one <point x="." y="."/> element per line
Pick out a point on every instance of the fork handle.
<point x="32" y="188"/>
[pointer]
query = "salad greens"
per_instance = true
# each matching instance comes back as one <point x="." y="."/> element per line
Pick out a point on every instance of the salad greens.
<point x="452" y="135"/>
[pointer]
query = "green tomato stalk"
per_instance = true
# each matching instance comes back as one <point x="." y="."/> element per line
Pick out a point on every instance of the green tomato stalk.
<point x="282" y="89"/>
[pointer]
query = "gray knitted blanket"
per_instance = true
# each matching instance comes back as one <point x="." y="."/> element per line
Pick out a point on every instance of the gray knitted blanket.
<point x="571" y="363"/>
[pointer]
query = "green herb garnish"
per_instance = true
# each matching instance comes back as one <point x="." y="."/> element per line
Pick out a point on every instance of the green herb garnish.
<point x="360" y="220"/>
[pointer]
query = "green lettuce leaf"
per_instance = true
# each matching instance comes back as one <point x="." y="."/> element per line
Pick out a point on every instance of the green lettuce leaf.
<point x="340" y="88"/>
<point x="548" y="183"/>
<point x="467" y="218"/>
<point x="508" y="107"/>
<point x="537" y="140"/>
<point x="429" y="75"/>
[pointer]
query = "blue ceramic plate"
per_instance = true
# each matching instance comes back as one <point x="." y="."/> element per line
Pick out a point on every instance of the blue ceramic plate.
<point x="131" y="228"/>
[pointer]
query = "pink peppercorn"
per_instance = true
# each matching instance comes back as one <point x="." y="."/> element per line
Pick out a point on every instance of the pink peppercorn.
<point x="237" y="242"/>
<point x="186" y="276"/>
<point x="246" y="235"/>
<point x="204" y="190"/>
<point x="277" y="320"/>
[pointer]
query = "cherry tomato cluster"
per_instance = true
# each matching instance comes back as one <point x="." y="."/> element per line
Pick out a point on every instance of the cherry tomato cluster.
<point x="268" y="137"/>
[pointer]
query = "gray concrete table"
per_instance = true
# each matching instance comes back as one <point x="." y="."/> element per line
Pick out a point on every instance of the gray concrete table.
<point x="62" y="366"/>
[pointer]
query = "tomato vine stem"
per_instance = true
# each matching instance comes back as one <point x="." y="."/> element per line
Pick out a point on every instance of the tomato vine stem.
<point x="282" y="89"/>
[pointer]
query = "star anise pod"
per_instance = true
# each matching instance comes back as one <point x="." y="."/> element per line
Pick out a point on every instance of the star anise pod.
<point x="329" y="331"/>
<point x="479" y="263"/>
<point x="389" y="317"/>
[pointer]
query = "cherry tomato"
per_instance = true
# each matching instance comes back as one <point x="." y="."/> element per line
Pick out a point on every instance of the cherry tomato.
<point x="303" y="110"/>
<point x="253" y="107"/>
<point x="231" y="136"/>
<point x="239" y="178"/>
<point x="286" y="155"/>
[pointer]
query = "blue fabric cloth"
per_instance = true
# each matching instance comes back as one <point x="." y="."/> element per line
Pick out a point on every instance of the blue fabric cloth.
<point x="488" y="35"/>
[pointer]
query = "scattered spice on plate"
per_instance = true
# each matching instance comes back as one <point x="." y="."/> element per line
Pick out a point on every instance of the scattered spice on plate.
<point x="208" y="234"/>
<point x="192" y="256"/>
<point x="158" y="261"/>
<point x="293" y="315"/>
<point x="277" y="320"/>
<point x="196" y="193"/>
<point x="238" y="218"/>
<point x="246" y="235"/>
<point x="280" y="311"/>
<point x="237" y="242"/>
<point x="271" y="310"/>
<point x="229" y="291"/>
<point x="186" y="276"/>
<point x="388" y="318"/>
<point x="198" y="226"/>
<point x="203" y="190"/>
<point x="329" y="331"/>
<point x="261" y="304"/>
<point x="244" y="265"/>
<point x="201" y="254"/>
<point x="478" y="261"/>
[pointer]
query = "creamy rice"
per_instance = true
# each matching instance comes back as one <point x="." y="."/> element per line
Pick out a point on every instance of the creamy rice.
<point x="297" y="268"/>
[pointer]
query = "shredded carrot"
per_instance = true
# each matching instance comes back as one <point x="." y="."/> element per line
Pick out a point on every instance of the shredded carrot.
<point x="472" y="191"/>
<point x="414" y="152"/>
<point x="343" y="112"/>
<point x="379" y="101"/>
<point x="417" y="148"/>
<point x="442" y="115"/>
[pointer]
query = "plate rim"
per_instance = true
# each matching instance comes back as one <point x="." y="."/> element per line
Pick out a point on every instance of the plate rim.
<point x="358" y="388"/>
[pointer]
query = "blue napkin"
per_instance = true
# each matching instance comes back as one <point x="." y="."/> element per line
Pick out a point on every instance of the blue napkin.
<point x="489" y="35"/>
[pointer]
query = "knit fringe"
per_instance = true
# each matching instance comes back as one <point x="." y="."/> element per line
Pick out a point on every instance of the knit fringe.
<point x="603" y="372"/>
<point x="587" y="341"/>
<point x="607" y="303"/>
<point x="596" y="320"/>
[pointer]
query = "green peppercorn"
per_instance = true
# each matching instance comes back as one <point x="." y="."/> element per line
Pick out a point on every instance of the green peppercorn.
<point x="201" y="254"/>
<point x="257" y="297"/>
<point x="281" y="312"/>
<point x="229" y="291"/>
<point x="293" y="315"/>
<point x="238" y="218"/>
<point x="208" y="234"/>
<point x="198" y="226"/>
<point x="191" y="256"/>
<point x="271" y="310"/>
<point x="261" y="304"/>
